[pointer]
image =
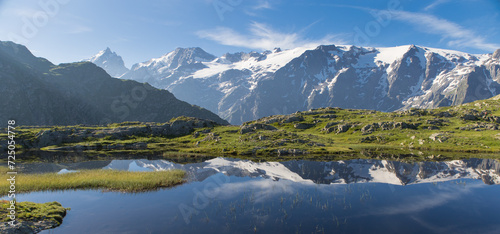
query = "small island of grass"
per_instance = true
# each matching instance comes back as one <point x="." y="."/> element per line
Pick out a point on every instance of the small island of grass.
<point x="124" y="181"/>
<point x="34" y="217"/>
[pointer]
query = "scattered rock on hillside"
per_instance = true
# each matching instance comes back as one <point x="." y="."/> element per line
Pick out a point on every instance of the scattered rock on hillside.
<point x="445" y="114"/>
<point x="470" y="117"/>
<point x="480" y="127"/>
<point x="256" y="126"/>
<point x="271" y="119"/>
<point x="386" y="125"/>
<point x="212" y="137"/>
<point x="441" y="137"/>
<point x="293" y="118"/>
<point x="331" y="116"/>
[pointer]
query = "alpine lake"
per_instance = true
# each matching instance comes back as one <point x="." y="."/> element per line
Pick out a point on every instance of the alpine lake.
<point x="227" y="195"/>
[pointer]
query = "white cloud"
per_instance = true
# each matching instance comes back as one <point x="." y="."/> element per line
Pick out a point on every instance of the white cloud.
<point x="77" y="29"/>
<point x="418" y="203"/>
<point x="435" y="4"/>
<point x="24" y="12"/>
<point x="454" y="34"/>
<point x="263" y="5"/>
<point x="262" y="189"/>
<point x="263" y="37"/>
<point x="256" y="9"/>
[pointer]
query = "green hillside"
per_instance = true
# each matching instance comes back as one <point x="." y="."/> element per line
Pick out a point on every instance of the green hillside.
<point x="469" y="128"/>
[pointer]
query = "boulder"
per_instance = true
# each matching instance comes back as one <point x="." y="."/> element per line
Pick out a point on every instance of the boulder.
<point x="343" y="128"/>
<point x="303" y="125"/>
<point x="469" y="117"/>
<point x="404" y="125"/>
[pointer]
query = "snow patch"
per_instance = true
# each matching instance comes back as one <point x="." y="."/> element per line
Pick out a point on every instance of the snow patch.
<point x="272" y="63"/>
<point x="390" y="54"/>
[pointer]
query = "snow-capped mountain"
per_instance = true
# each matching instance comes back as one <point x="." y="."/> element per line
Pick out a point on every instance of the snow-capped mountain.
<point x="170" y="67"/>
<point x="110" y="62"/>
<point x="246" y="86"/>
<point x="335" y="172"/>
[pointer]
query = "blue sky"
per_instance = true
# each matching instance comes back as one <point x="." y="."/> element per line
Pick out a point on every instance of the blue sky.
<point x="72" y="30"/>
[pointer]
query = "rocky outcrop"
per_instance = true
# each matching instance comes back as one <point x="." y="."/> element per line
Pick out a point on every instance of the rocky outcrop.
<point x="369" y="128"/>
<point x="303" y="125"/>
<point x="27" y="227"/>
<point x="178" y="127"/>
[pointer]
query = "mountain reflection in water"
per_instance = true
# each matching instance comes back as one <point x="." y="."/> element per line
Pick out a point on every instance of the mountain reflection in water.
<point x="334" y="172"/>
<point x="239" y="196"/>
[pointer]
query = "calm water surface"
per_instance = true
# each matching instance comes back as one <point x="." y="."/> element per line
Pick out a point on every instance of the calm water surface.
<point x="239" y="196"/>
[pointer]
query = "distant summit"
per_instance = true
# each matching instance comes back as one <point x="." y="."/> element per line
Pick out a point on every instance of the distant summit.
<point x="111" y="62"/>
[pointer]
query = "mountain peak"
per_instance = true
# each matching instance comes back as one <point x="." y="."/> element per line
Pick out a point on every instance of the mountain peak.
<point x="195" y="51"/>
<point x="177" y="58"/>
<point x="111" y="62"/>
<point x="103" y="53"/>
<point x="496" y="54"/>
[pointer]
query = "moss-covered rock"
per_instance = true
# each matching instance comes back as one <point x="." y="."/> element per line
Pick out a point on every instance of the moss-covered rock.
<point x="31" y="217"/>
